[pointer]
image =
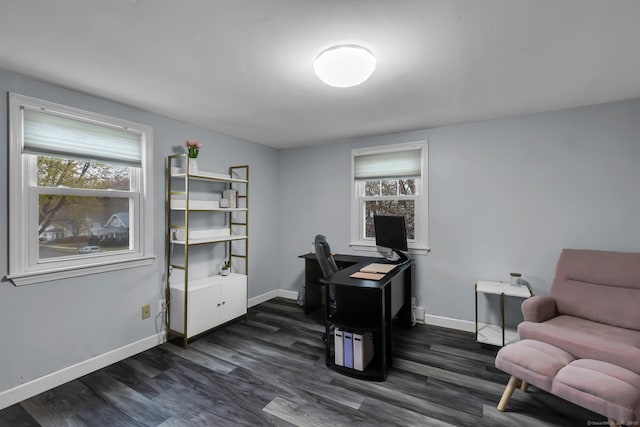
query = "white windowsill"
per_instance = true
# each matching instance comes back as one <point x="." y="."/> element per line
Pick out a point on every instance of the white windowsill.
<point x="66" y="272"/>
<point x="367" y="247"/>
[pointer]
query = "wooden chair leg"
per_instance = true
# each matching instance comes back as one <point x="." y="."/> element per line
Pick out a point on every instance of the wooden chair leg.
<point x="508" y="391"/>
<point x="614" y="423"/>
<point x="524" y="386"/>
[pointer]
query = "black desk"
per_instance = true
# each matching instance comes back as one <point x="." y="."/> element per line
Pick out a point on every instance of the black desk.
<point x="369" y="305"/>
<point x="313" y="274"/>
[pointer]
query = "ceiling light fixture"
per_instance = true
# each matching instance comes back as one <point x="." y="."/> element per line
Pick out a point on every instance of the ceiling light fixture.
<point x="345" y="65"/>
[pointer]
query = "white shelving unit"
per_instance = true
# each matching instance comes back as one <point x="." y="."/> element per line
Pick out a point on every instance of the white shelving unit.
<point x="198" y="304"/>
<point x="498" y="335"/>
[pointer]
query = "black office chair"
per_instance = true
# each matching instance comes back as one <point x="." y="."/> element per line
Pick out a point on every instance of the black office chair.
<point x="327" y="264"/>
<point x="324" y="257"/>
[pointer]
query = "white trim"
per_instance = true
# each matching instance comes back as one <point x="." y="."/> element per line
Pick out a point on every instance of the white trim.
<point x="284" y="293"/>
<point x="450" y="322"/>
<point x="262" y="298"/>
<point x="364" y="246"/>
<point x="64" y="273"/>
<point x="47" y="382"/>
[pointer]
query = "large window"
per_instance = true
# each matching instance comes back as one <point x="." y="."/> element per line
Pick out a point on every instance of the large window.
<point x="80" y="192"/>
<point x="390" y="180"/>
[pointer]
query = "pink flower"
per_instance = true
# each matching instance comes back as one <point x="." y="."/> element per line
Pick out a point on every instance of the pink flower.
<point x="194" y="143"/>
<point x="193" y="146"/>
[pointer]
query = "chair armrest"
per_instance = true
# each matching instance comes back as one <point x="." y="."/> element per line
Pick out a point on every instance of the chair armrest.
<point x="539" y="308"/>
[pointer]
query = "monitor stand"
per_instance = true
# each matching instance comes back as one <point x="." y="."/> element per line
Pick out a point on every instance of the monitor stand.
<point x="401" y="256"/>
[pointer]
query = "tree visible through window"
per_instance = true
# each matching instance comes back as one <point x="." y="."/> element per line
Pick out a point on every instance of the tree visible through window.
<point x="68" y="223"/>
<point x="396" y="188"/>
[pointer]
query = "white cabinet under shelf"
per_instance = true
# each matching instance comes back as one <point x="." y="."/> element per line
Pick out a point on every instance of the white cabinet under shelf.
<point x="211" y="301"/>
<point x="197" y="304"/>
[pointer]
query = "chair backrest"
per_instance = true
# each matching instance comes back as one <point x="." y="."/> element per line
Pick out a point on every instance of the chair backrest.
<point x="324" y="257"/>
<point x="601" y="286"/>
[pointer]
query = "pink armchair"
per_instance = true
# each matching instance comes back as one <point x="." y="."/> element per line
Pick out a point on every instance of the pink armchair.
<point x="593" y="310"/>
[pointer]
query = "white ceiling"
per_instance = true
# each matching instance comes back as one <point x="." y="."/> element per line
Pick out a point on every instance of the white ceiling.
<point x="244" y="67"/>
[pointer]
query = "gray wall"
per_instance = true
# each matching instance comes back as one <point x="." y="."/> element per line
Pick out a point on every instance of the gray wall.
<point x="504" y="195"/>
<point x="48" y="326"/>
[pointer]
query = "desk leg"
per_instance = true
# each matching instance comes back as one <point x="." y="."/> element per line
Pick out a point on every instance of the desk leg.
<point x="327" y="334"/>
<point x="312" y="286"/>
<point x="405" y="315"/>
<point x="385" y="335"/>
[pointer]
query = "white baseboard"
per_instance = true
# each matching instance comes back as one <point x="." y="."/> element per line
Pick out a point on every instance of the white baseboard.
<point x="262" y="298"/>
<point x="283" y="293"/>
<point x="451" y="323"/>
<point x="29" y="389"/>
<point x="288" y="294"/>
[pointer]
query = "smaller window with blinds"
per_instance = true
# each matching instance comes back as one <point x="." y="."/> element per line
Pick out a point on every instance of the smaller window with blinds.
<point x="390" y="180"/>
<point x="79" y="188"/>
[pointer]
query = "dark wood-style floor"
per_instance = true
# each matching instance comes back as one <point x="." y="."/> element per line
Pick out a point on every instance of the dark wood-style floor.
<point x="270" y="370"/>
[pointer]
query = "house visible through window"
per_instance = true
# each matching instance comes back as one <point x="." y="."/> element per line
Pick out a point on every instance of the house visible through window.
<point x="79" y="190"/>
<point x="389" y="180"/>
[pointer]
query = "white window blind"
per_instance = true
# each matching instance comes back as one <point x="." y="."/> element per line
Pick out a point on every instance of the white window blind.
<point x="394" y="164"/>
<point x="55" y="135"/>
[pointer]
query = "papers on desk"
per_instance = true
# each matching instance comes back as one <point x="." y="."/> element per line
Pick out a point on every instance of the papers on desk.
<point x="373" y="271"/>
<point x="378" y="268"/>
<point x="368" y="276"/>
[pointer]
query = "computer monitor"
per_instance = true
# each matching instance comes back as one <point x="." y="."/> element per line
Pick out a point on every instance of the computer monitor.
<point x="391" y="233"/>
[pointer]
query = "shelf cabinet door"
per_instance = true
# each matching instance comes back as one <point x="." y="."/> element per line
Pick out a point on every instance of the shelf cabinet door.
<point x="203" y="309"/>
<point x="233" y="294"/>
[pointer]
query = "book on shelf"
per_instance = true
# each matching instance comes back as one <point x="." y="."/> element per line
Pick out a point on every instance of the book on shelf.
<point x="232" y="196"/>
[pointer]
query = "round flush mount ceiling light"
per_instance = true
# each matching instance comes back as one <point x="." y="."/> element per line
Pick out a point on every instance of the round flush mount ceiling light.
<point x="345" y="66"/>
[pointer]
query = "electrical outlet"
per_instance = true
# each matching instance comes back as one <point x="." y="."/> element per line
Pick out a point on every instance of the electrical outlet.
<point x="146" y="311"/>
<point x="161" y="305"/>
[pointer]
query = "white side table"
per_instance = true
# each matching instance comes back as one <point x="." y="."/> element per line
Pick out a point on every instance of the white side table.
<point x="497" y="334"/>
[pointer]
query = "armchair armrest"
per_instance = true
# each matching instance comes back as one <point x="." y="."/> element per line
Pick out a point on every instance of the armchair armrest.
<point x="539" y="308"/>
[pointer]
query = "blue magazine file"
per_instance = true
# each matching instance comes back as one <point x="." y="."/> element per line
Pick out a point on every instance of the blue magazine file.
<point x="348" y="349"/>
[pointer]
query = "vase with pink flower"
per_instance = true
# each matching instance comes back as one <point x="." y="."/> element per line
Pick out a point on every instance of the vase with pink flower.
<point x="193" y="148"/>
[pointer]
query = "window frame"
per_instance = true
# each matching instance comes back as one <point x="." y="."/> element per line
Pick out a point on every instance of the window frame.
<point x="25" y="267"/>
<point x="419" y="245"/>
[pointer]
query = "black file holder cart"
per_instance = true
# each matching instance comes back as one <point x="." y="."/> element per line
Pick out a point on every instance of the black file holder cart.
<point x="369" y="306"/>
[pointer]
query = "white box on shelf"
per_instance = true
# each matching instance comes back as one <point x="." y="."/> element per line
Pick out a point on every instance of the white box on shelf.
<point x="362" y="350"/>
<point x="339" y="347"/>
<point x="201" y="233"/>
<point x="178" y="202"/>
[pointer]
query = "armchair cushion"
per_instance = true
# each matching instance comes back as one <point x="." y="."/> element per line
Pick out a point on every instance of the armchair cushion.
<point x="599" y="285"/>
<point x="586" y="339"/>
<point x="539" y="308"/>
